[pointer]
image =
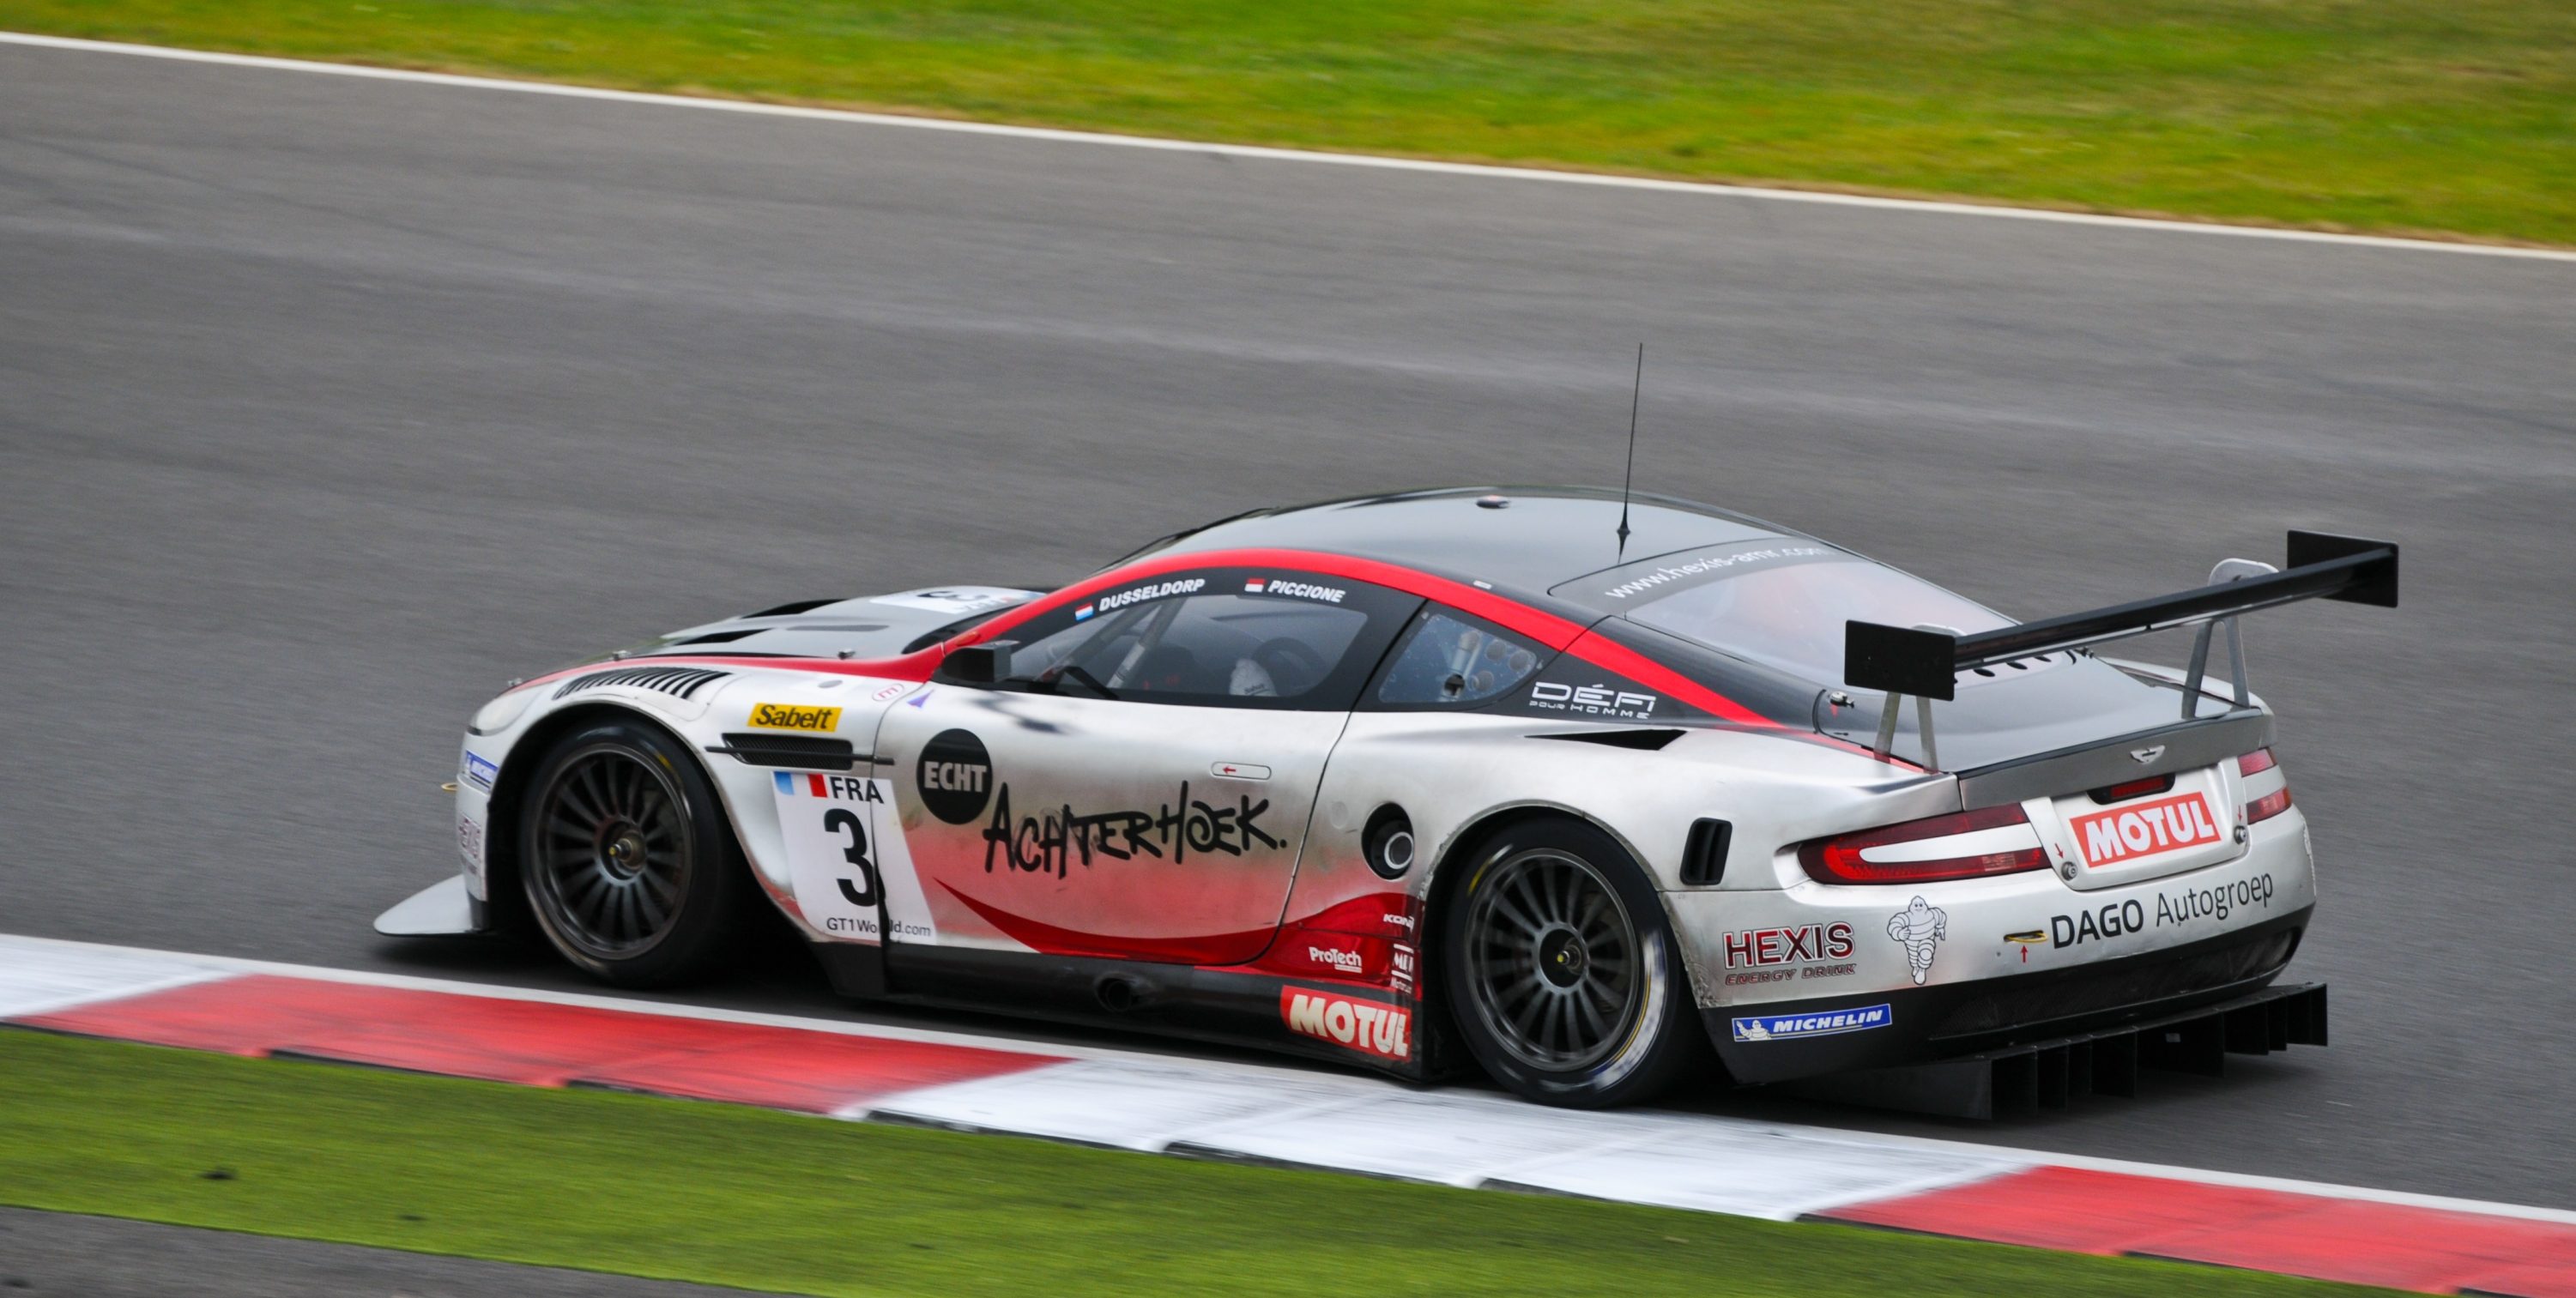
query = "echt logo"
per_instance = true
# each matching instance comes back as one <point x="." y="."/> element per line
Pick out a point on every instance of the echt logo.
<point x="2165" y="825"/>
<point x="1380" y="1030"/>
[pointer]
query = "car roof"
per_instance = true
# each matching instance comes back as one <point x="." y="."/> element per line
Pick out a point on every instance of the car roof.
<point x="1539" y="536"/>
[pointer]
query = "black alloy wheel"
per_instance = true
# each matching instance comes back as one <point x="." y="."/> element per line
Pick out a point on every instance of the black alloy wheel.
<point x="1555" y="959"/>
<point x="1562" y="972"/>
<point x="625" y="858"/>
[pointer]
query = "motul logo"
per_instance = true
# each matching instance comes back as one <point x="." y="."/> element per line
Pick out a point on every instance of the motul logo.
<point x="1381" y="1030"/>
<point x="2165" y="825"/>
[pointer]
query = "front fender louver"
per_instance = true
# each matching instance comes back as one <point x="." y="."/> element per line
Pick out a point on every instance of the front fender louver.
<point x="678" y="682"/>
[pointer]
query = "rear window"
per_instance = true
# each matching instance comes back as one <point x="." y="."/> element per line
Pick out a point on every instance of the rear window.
<point x="1790" y="615"/>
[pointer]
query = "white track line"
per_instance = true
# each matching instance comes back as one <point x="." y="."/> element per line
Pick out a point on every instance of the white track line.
<point x="1699" y="188"/>
<point x="1309" y="1087"/>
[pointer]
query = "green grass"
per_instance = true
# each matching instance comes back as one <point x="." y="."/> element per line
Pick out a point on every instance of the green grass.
<point x="2454" y="116"/>
<point x="738" y="1196"/>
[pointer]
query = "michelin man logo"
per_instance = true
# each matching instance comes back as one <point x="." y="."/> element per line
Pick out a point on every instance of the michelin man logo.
<point x="1920" y="927"/>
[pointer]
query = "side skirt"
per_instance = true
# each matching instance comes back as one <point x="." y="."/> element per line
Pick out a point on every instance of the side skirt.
<point x="1343" y="1023"/>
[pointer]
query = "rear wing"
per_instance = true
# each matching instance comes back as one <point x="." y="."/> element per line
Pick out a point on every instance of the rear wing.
<point x="1925" y="661"/>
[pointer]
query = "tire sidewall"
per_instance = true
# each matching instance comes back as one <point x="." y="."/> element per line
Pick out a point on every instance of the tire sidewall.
<point x="1660" y="1041"/>
<point x="706" y="906"/>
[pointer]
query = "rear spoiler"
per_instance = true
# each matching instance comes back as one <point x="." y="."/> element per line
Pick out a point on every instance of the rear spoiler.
<point x="1925" y="661"/>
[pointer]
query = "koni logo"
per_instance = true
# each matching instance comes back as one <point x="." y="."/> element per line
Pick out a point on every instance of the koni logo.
<point x="1381" y="1030"/>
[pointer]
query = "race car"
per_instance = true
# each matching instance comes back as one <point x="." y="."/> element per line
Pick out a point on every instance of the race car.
<point x="1590" y="792"/>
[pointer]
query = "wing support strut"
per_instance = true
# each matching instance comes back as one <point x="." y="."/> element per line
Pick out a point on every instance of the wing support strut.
<point x="1925" y="662"/>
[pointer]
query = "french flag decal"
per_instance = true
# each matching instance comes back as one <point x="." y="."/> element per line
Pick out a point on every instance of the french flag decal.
<point x="787" y="784"/>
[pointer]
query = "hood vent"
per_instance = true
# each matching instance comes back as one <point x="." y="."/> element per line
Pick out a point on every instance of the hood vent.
<point x="720" y="637"/>
<point x="793" y="606"/>
<point x="678" y="682"/>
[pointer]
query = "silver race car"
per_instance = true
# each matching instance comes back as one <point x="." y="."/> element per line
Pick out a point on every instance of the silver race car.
<point x="1589" y="795"/>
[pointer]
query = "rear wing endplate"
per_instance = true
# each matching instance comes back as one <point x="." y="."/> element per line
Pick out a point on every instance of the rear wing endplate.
<point x="1925" y="661"/>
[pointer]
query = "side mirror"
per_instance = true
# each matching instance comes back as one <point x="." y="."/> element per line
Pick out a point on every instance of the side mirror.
<point x="986" y="663"/>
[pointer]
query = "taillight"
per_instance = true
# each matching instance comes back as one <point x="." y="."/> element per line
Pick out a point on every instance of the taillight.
<point x="2270" y="804"/>
<point x="1907" y="853"/>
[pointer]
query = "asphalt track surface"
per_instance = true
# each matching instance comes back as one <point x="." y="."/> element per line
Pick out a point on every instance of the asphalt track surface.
<point x="328" y="406"/>
<point x="45" y="1254"/>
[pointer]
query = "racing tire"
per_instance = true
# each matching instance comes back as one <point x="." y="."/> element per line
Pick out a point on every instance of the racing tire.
<point x="628" y="864"/>
<point x="1564" y="978"/>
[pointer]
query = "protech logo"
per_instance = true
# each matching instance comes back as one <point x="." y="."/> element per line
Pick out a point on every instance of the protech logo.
<point x="1775" y="1027"/>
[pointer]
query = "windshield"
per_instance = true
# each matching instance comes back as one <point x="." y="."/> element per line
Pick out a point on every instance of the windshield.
<point x="1790" y="615"/>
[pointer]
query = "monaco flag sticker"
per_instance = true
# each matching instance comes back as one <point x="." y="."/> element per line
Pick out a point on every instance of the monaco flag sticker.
<point x="2148" y="829"/>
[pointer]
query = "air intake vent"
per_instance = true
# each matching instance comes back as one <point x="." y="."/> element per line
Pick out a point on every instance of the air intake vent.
<point x="678" y="682"/>
<point x="795" y="751"/>
<point x="1647" y="741"/>
<point x="1704" y="853"/>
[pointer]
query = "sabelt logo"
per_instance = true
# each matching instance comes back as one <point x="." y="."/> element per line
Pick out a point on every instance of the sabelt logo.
<point x="2164" y="825"/>
<point x="1366" y="1026"/>
<point x="788" y="716"/>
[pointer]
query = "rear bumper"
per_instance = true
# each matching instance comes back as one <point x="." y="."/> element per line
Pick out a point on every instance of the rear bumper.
<point x="1994" y="1016"/>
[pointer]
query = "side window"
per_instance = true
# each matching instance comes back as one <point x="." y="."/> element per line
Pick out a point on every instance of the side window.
<point x="1450" y="660"/>
<point x="1228" y="638"/>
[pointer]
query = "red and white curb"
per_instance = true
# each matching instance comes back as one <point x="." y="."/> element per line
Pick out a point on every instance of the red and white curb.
<point x="1125" y="1100"/>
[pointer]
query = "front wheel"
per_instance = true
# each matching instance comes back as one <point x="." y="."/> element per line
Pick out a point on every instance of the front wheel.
<point x="625" y="856"/>
<point x="1562" y="970"/>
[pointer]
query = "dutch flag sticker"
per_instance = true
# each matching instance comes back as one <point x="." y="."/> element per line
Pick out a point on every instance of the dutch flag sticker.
<point x="1082" y="612"/>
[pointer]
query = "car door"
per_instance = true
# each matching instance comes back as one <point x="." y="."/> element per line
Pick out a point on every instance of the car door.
<point x="1139" y="788"/>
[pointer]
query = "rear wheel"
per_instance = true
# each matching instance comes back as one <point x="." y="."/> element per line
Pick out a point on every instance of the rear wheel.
<point x="625" y="856"/>
<point x="1563" y="972"/>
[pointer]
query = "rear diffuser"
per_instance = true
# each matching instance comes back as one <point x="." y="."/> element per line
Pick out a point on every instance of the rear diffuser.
<point x="2046" y="1074"/>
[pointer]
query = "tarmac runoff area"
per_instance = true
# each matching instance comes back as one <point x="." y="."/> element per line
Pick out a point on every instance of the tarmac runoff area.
<point x="1251" y="1113"/>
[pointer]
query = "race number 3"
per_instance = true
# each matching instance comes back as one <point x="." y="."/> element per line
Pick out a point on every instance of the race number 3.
<point x="842" y="820"/>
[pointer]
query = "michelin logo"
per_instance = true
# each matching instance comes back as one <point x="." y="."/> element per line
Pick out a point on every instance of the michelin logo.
<point x="1776" y="1027"/>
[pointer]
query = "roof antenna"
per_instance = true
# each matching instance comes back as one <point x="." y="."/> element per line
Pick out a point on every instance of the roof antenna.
<point x="1630" y="481"/>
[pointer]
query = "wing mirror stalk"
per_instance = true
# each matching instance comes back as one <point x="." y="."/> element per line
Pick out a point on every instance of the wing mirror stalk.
<point x="984" y="663"/>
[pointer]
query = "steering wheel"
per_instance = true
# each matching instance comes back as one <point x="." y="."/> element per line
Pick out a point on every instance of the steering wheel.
<point x="1293" y="666"/>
